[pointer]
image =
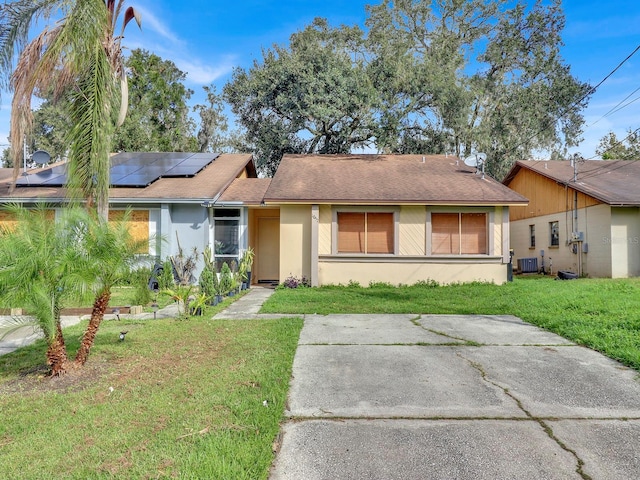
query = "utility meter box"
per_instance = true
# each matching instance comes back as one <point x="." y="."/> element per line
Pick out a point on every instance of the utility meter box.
<point x="577" y="236"/>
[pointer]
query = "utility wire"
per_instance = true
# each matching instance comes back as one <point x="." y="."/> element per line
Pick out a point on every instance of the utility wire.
<point x="589" y="92"/>
<point x="616" y="109"/>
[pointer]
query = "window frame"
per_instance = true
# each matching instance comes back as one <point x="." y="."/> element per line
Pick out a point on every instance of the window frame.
<point x="554" y="238"/>
<point x="219" y="258"/>
<point x="532" y="236"/>
<point x="395" y="211"/>
<point x="489" y="219"/>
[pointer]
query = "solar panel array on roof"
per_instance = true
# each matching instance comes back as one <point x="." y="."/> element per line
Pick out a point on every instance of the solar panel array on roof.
<point x="131" y="169"/>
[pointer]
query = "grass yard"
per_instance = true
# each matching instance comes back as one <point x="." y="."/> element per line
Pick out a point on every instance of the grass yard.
<point x="602" y="314"/>
<point x="176" y="399"/>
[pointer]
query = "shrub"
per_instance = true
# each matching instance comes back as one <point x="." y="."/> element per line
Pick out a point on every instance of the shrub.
<point x="295" y="282"/>
<point x="206" y="282"/>
<point x="166" y="279"/>
<point x="226" y="279"/>
<point x="142" y="294"/>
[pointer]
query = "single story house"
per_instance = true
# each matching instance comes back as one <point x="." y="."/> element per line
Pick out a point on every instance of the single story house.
<point x="398" y="219"/>
<point x="333" y="219"/>
<point x="171" y="196"/>
<point x="584" y="216"/>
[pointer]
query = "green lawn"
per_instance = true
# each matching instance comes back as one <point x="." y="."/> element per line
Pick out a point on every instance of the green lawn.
<point x="176" y="399"/>
<point x="603" y="314"/>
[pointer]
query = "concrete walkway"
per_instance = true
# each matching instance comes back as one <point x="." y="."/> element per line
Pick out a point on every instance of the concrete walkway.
<point x="454" y="397"/>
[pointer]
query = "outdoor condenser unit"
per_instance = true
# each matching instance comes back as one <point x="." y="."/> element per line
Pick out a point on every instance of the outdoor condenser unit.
<point x="528" y="265"/>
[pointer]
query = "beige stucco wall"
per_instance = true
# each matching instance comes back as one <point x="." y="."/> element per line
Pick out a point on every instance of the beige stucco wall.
<point x="625" y="242"/>
<point x="594" y="221"/>
<point x="295" y="241"/>
<point x="409" y="272"/>
<point x="410" y="265"/>
<point x="412" y="230"/>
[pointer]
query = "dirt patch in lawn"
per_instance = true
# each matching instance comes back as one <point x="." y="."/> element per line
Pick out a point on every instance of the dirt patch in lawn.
<point x="38" y="380"/>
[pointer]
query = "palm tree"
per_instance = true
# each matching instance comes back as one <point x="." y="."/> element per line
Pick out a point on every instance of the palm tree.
<point x="44" y="263"/>
<point x="37" y="256"/>
<point x="81" y="54"/>
<point x="109" y="254"/>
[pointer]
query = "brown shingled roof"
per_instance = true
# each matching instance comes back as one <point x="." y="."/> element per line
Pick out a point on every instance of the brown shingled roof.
<point x="614" y="182"/>
<point x="384" y="179"/>
<point x="207" y="184"/>
<point x="248" y="191"/>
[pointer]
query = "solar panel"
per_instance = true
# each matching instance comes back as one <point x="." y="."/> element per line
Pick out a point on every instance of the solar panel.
<point x="131" y="169"/>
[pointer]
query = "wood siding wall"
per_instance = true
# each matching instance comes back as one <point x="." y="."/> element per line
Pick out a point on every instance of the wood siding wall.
<point x="412" y="230"/>
<point x="545" y="196"/>
<point x="324" y="230"/>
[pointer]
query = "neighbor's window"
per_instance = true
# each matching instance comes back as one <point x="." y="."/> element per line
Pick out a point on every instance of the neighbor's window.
<point x="532" y="236"/>
<point x="554" y="233"/>
<point x="365" y="232"/>
<point x="226" y="224"/>
<point x="458" y="233"/>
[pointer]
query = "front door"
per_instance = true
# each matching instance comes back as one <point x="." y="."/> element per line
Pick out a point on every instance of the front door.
<point x="268" y="251"/>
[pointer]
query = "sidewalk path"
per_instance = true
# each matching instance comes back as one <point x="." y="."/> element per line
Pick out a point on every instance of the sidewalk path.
<point x="454" y="397"/>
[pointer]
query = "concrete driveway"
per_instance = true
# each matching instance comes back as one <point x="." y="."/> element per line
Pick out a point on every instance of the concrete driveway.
<point x="454" y="397"/>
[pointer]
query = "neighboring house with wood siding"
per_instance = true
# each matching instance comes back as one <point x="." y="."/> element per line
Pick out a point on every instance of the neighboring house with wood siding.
<point x="584" y="216"/>
<point x="398" y="219"/>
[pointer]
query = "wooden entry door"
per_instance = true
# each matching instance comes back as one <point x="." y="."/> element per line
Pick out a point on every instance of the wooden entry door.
<point x="268" y="252"/>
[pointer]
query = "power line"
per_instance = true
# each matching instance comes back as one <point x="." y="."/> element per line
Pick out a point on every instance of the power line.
<point x="616" y="109"/>
<point x="589" y="92"/>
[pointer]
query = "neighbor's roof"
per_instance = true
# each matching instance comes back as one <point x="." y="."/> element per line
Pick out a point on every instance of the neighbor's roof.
<point x="245" y="191"/>
<point x="207" y="184"/>
<point x="614" y="182"/>
<point x="385" y="179"/>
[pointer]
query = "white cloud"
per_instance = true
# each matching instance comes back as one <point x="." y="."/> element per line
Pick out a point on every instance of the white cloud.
<point x="154" y="24"/>
<point x="202" y="74"/>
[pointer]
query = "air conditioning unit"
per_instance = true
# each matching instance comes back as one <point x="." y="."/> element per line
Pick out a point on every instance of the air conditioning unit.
<point x="528" y="265"/>
<point x="577" y="237"/>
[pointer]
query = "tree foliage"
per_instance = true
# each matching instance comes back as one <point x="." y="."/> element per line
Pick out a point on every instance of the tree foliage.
<point x="611" y="148"/>
<point x="428" y="77"/>
<point x="213" y="133"/>
<point x="158" y="119"/>
<point x="314" y="96"/>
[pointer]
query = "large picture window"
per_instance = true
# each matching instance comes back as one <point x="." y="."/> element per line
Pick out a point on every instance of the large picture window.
<point x="459" y="233"/>
<point x="365" y="232"/>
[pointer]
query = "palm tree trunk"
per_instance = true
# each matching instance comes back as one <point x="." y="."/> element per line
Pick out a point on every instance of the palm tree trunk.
<point x="57" y="353"/>
<point x="97" y="314"/>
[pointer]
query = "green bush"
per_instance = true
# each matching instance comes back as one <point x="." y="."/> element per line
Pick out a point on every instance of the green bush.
<point x="166" y="280"/>
<point x="226" y="279"/>
<point x="206" y="282"/>
<point x="142" y="295"/>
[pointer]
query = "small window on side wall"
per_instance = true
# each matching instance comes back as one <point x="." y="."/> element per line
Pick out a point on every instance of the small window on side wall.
<point x="532" y="236"/>
<point x="554" y="234"/>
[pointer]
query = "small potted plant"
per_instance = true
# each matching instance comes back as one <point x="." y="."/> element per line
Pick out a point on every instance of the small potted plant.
<point x="246" y="264"/>
<point x="197" y="304"/>
<point x="226" y="279"/>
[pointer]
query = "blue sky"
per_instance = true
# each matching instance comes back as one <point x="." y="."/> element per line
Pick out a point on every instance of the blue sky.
<point x="208" y="39"/>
